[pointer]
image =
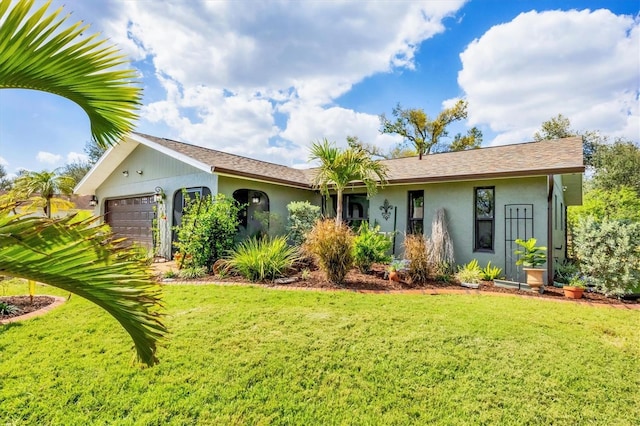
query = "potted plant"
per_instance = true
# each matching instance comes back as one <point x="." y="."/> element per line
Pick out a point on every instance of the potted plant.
<point x="394" y="270"/>
<point x="470" y="274"/>
<point x="575" y="288"/>
<point x="531" y="256"/>
<point x="418" y="208"/>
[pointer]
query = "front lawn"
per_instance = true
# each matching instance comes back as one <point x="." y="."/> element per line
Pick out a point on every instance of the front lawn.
<point x="250" y="355"/>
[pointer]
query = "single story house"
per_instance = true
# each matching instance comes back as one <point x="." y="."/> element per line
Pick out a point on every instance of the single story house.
<point x="491" y="196"/>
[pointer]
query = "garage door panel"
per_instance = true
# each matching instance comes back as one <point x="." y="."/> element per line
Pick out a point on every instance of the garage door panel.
<point x="132" y="218"/>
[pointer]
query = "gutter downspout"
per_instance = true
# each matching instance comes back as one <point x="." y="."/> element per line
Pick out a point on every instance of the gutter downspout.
<point x="550" y="245"/>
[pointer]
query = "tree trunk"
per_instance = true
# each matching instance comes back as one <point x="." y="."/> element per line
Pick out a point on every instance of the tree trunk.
<point x="47" y="208"/>
<point x="338" y="207"/>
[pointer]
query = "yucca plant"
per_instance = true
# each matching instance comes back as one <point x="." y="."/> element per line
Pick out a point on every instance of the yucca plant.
<point x="37" y="52"/>
<point x="260" y="259"/>
<point x="416" y="251"/>
<point x="331" y="245"/>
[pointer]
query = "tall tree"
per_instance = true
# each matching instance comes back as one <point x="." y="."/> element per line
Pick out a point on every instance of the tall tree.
<point x="415" y="126"/>
<point x="340" y="167"/>
<point x="37" y="52"/>
<point x="94" y="151"/>
<point x="617" y="165"/>
<point x="559" y="127"/>
<point x="43" y="185"/>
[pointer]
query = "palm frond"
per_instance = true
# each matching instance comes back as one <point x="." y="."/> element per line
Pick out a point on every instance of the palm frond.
<point x="35" y="53"/>
<point x="82" y="258"/>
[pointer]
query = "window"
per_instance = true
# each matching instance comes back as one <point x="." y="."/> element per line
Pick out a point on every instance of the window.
<point x="415" y="209"/>
<point x="484" y="219"/>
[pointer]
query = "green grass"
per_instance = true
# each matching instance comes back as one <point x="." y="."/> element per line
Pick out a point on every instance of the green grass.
<point x="248" y="355"/>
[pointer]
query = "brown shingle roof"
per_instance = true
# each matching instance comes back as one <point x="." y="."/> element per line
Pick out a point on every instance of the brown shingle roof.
<point x="225" y="163"/>
<point x="525" y="159"/>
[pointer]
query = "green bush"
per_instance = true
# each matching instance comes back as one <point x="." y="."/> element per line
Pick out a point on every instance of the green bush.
<point x="331" y="246"/>
<point x="8" y="309"/>
<point x="490" y="273"/>
<point x="259" y="259"/>
<point x="609" y="253"/>
<point x="370" y="246"/>
<point x="416" y="251"/>
<point x="302" y="217"/>
<point x="208" y="228"/>
<point x="470" y="273"/>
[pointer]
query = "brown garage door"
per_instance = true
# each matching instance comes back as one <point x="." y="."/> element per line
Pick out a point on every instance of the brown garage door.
<point x="132" y="218"/>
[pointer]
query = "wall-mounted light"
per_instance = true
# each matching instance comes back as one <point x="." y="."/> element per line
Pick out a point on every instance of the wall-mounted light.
<point x="255" y="199"/>
<point x="564" y="188"/>
<point x="159" y="195"/>
<point x="93" y="201"/>
<point x="139" y="172"/>
<point x="125" y="173"/>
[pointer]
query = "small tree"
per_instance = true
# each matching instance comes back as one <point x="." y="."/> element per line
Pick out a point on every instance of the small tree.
<point x="209" y="225"/>
<point x="302" y="216"/>
<point x="609" y="253"/>
<point x="340" y="167"/>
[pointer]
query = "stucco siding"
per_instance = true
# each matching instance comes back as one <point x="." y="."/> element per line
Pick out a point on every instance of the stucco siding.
<point x="458" y="201"/>
<point x="279" y="197"/>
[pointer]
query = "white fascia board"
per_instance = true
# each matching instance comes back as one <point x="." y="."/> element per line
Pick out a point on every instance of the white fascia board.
<point x="171" y="153"/>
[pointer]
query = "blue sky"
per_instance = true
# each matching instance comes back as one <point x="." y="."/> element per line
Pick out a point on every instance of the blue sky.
<point x="266" y="79"/>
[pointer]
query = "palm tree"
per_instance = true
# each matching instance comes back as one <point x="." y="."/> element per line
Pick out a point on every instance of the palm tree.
<point x="37" y="53"/>
<point x="44" y="186"/>
<point x="340" y="167"/>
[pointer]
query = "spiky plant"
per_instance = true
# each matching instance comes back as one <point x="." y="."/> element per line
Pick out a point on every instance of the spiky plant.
<point x="259" y="259"/>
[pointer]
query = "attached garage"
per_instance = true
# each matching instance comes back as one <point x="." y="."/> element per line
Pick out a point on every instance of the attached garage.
<point x="132" y="218"/>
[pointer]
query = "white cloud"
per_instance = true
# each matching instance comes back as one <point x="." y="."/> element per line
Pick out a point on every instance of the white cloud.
<point x="262" y="80"/>
<point x="48" y="158"/>
<point x="76" y="157"/>
<point x="3" y="162"/>
<point x="582" y="64"/>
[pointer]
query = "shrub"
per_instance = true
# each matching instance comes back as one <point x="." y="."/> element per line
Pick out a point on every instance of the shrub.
<point x="331" y="245"/>
<point x="609" y="252"/>
<point x="302" y="217"/>
<point x="193" y="272"/>
<point x="565" y="271"/>
<point x="370" y="246"/>
<point x="258" y="259"/>
<point x="490" y="273"/>
<point x="416" y="251"/>
<point x="8" y="309"/>
<point x="470" y="273"/>
<point x="207" y="231"/>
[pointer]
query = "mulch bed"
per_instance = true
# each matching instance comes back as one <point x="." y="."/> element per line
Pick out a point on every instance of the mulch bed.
<point x="375" y="281"/>
<point x="23" y="303"/>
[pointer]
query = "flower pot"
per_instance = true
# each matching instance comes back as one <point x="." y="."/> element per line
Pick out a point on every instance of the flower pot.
<point x="573" y="292"/>
<point x="535" y="276"/>
<point x="394" y="276"/>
